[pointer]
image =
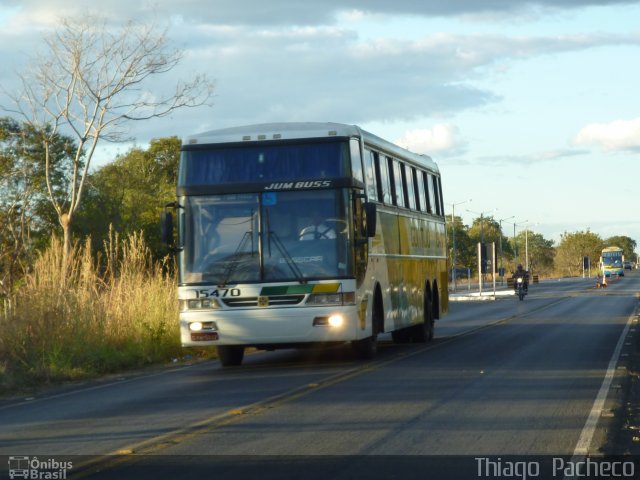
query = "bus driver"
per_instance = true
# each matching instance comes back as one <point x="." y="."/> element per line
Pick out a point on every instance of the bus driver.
<point x="319" y="230"/>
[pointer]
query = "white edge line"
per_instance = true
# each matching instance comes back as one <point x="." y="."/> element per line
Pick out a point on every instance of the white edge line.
<point x="582" y="447"/>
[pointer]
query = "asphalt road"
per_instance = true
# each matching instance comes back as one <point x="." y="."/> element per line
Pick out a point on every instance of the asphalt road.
<point x="502" y="380"/>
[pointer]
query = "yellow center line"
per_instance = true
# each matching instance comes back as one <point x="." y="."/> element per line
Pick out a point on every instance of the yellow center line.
<point x="155" y="444"/>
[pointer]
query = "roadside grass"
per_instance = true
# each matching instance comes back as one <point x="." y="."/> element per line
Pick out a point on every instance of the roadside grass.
<point x="105" y="314"/>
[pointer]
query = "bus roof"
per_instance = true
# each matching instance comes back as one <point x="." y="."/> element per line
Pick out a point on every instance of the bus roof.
<point x="306" y="130"/>
<point x="612" y="249"/>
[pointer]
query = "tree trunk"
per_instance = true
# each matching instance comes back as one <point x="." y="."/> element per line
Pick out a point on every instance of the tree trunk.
<point x="65" y="221"/>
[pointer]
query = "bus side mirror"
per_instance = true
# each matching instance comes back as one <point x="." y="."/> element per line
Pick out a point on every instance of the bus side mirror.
<point x="371" y="213"/>
<point x="166" y="228"/>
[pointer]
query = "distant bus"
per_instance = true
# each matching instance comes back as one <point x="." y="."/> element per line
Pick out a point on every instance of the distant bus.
<point x="297" y="234"/>
<point x="612" y="261"/>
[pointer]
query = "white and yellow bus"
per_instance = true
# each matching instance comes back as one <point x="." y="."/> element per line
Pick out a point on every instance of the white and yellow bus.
<point x="298" y="234"/>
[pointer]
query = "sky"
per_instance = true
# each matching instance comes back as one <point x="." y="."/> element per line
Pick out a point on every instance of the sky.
<point x="531" y="108"/>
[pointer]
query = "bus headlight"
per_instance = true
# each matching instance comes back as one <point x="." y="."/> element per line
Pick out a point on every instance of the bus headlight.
<point x="336" y="321"/>
<point x="200" y="326"/>
<point x="199" y="304"/>
<point x="321" y="299"/>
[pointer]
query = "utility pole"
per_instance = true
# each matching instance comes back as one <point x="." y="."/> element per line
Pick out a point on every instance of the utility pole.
<point x="501" y="270"/>
<point x="515" y="244"/>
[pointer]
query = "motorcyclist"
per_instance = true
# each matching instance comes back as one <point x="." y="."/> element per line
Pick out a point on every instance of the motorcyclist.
<point x="521" y="273"/>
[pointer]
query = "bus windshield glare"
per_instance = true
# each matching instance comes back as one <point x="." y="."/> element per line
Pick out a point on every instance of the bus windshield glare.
<point x="270" y="236"/>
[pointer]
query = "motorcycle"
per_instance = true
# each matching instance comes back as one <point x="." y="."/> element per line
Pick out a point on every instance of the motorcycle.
<point x="521" y="288"/>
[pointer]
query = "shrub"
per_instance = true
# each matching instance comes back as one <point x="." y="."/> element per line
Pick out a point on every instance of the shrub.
<point x="97" y="315"/>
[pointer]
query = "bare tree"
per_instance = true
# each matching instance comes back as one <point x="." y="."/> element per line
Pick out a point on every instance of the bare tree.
<point x="91" y="82"/>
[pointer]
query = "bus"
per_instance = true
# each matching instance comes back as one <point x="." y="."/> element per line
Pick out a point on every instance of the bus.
<point x="300" y="234"/>
<point x="612" y="261"/>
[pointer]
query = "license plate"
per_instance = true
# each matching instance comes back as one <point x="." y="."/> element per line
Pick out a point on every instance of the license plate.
<point x="204" y="336"/>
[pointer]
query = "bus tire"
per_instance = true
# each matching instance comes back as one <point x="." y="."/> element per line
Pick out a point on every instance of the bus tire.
<point x="367" y="348"/>
<point x="431" y="328"/>
<point x="230" y="355"/>
<point x="401" y="336"/>
<point x="423" y="332"/>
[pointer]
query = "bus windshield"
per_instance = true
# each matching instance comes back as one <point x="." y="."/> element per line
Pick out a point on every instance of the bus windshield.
<point x="612" y="260"/>
<point x="277" y="162"/>
<point x="270" y="236"/>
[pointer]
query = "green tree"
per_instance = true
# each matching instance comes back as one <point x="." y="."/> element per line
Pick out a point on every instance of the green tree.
<point x="539" y="250"/>
<point x="464" y="246"/>
<point x="90" y="83"/>
<point x="573" y="247"/>
<point x="130" y="193"/>
<point x="25" y="212"/>
<point x="487" y="227"/>
<point x="627" y="244"/>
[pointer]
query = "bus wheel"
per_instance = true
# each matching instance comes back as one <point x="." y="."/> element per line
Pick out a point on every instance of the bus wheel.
<point x="423" y="332"/>
<point x="401" y="336"/>
<point x="366" y="348"/>
<point x="230" y="355"/>
<point x="430" y="324"/>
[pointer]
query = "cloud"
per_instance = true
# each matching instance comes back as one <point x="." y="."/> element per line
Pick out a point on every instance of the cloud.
<point x="332" y="74"/>
<point x="441" y="139"/>
<point x="530" y="159"/>
<point x="623" y="135"/>
<point x="302" y="66"/>
<point x="291" y="12"/>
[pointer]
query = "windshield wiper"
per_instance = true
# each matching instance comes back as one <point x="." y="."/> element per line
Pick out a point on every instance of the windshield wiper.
<point x="283" y="251"/>
<point x="289" y="260"/>
<point x="233" y="264"/>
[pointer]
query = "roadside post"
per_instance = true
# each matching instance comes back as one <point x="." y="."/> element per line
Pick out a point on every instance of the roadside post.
<point x="586" y="266"/>
<point x="483" y="261"/>
<point x="493" y="268"/>
<point x="481" y="268"/>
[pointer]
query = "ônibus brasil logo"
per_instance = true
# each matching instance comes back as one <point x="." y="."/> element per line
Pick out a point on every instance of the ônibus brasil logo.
<point x="38" y="469"/>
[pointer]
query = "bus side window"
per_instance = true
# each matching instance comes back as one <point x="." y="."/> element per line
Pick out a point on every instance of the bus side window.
<point x="392" y="181"/>
<point x="440" y="199"/>
<point x="384" y="184"/>
<point x="407" y="183"/>
<point x="370" y="176"/>
<point x="399" y="191"/>
<point x="356" y="161"/>
<point x="420" y="188"/>
<point x="419" y="195"/>
<point x="436" y="202"/>
<point x="428" y="191"/>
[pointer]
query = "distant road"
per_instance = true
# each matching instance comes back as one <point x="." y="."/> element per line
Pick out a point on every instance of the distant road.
<point x="501" y="378"/>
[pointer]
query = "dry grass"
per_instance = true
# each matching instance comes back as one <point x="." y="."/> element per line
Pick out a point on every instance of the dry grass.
<point x="103" y="315"/>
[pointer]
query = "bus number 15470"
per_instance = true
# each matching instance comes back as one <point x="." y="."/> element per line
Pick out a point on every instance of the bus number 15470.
<point x="218" y="292"/>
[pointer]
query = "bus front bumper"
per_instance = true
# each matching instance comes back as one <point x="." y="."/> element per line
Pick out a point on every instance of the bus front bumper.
<point x="271" y="326"/>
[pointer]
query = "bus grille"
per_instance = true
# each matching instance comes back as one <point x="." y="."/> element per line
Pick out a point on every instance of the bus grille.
<point x="274" y="301"/>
